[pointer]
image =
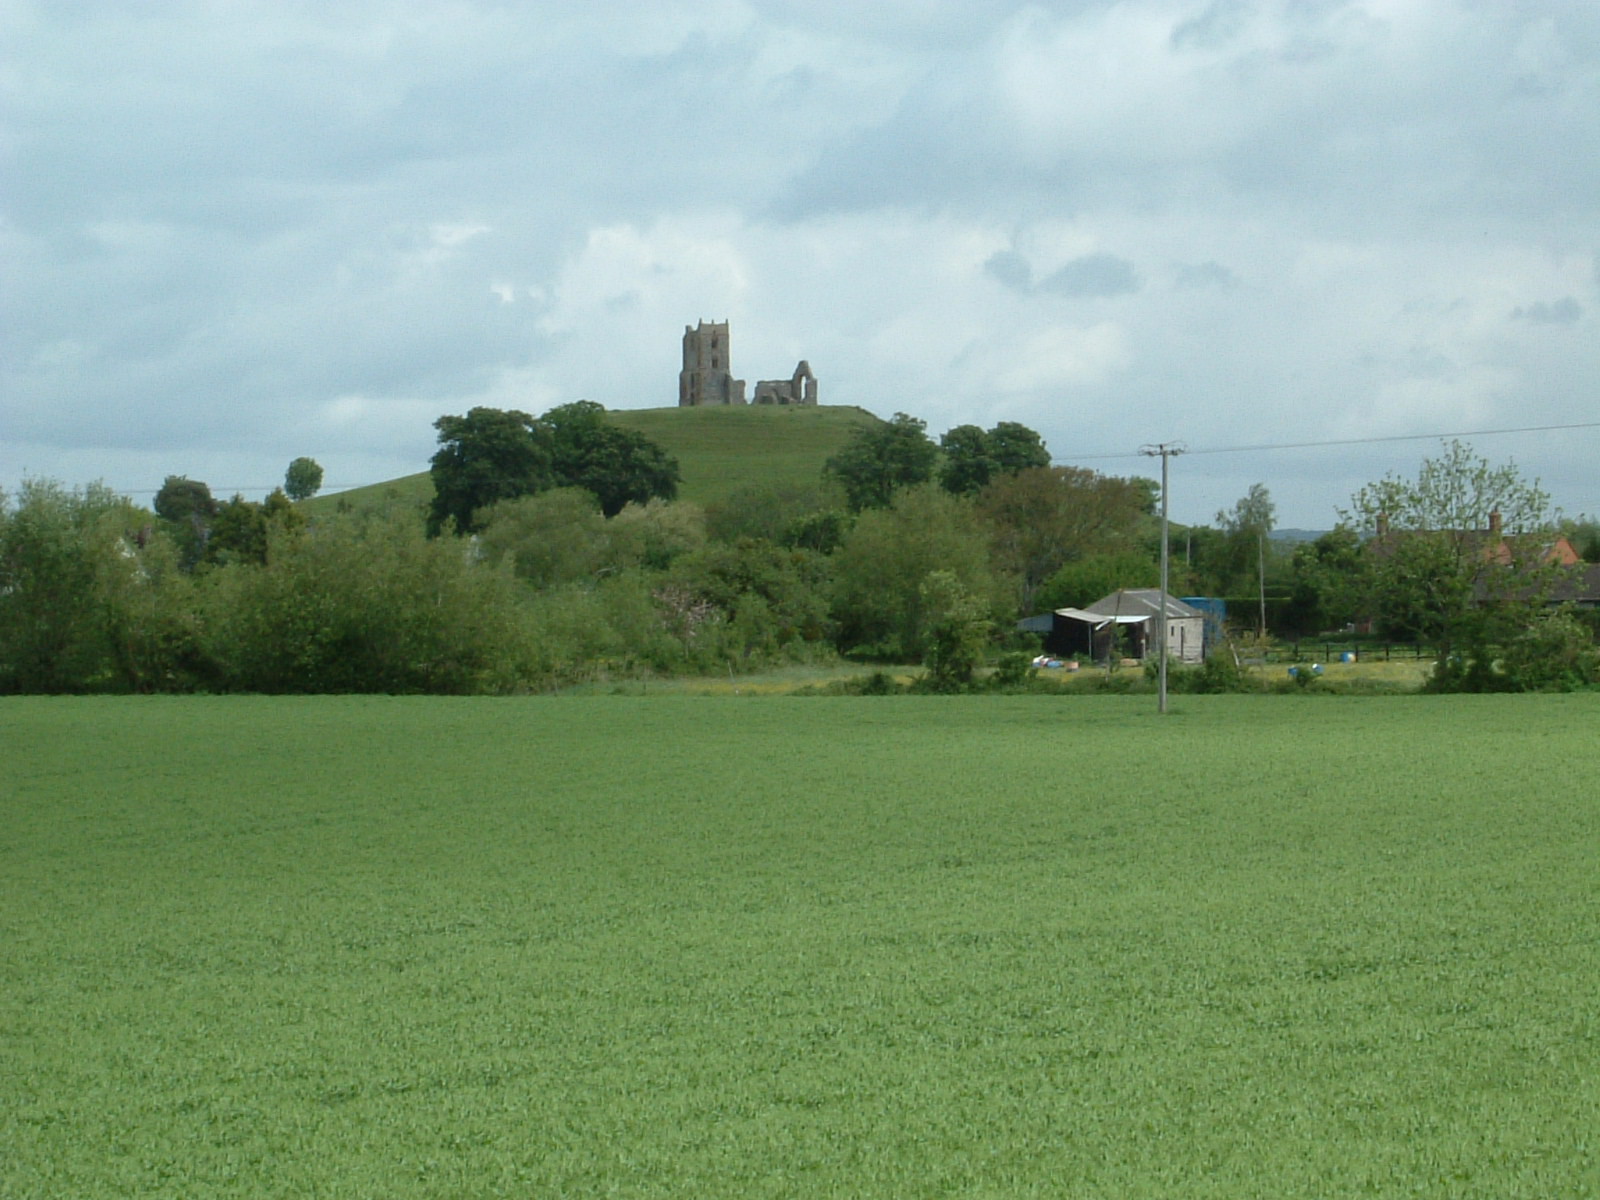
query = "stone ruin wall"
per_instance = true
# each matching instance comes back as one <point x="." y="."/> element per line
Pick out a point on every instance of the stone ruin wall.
<point x="707" y="376"/>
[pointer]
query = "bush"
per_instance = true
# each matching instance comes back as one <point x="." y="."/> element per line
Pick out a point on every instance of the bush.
<point x="67" y="564"/>
<point x="371" y="605"/>
<point x="1556" y="654"/>
<point x="958" y="632"/>
<point x="1472" y="671"/>
<point x="879" y="572"/>
<point x="1218" y="675"/>
<point x="878" y="683"/>
<point x="1014" y="669"/>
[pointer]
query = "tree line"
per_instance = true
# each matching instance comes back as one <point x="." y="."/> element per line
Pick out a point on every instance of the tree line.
<point x="554" y="550"/>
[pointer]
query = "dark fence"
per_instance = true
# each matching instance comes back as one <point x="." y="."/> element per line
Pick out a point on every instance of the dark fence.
<point x="1327" y="651"/>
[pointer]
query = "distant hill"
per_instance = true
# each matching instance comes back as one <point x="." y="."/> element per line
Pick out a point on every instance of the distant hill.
<point x="1296" y="535"/>
<point x="719" y="449"/>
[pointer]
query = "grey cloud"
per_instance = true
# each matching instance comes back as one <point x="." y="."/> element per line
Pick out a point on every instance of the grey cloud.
<point x="1093" y="276"/>
<point x="1011" y="269"/>
<point x="1316" y="111"/>
<point x="201" y="232"/>
<point x="1205" y="275"/>
<point x="1565" y="311"/>
<point x="1219" y="24"/>
<point x="217" y="220"/>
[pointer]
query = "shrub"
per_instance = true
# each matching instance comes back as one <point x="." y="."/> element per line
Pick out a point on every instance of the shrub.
<point x="1555" y="654"/>
<point x="958" y="632"/>
<point x="371" y="605"/>
<point x="67" y="565"/>
<point x="1014" y="669"/>
<point x="1218" y="675"/>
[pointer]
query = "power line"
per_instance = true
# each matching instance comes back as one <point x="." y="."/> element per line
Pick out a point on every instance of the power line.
<point x="1396" y="437"/>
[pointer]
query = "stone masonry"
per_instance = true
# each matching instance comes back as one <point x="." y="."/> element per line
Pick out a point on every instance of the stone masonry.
<point x="707" y="376"/>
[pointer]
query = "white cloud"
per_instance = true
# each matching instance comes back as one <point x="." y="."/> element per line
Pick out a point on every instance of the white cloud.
<point x="1061" y="359"/>
<point x="232" y="230"/>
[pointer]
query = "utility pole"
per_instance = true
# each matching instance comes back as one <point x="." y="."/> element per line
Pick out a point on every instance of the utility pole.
<point x="1261" y="579"/>
<point x="1165" y="450"/>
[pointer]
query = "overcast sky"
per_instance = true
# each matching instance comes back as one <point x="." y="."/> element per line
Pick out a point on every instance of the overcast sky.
<point x="238" y="231"/>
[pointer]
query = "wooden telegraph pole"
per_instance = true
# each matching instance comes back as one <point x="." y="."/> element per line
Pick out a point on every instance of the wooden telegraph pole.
<point x="1164" y="450"/>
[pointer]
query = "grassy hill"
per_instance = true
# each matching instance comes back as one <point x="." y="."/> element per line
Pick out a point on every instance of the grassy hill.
<point x="718" y="449"/>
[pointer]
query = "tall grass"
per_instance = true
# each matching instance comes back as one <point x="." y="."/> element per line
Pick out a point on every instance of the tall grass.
<point x="867" y="947"/>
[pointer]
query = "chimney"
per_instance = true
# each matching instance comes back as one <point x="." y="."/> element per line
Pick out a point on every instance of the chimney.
<point x="1494" y="524"/>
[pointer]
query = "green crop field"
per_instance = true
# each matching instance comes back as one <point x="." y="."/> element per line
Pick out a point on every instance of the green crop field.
<point x="898" y="947"/>
<point x="718" y="450"/>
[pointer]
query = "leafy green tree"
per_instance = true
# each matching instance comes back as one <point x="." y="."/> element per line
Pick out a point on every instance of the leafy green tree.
<point x="63" y="555"/>
<point x="303" y="479"/>
<point x="238" y="533"/>
<point x="880" y="567"/>
<point x="774" y="511"/>
<point x="959" y="632"/>
<point x="657" y="533"/>
<point x="771" y="596"/>
<point x="187" y="507"/>
<point x="183" y="499"/>
<point x="1457" y="557"/>
<point x="555" y="538"/>
<point x="1329" y="581"/>
<point x="1044" y="517"/>
<point x="153" y="617"/>
<point x="620" y="466"/>
<point x="1584" y="534"/>
<point x="1253" y="513"/>
<point x="488" y="455"/>
<point x="1148" y="492"/>
<point x="239" y="530"/>
<point x="1016" y="448"/>
<point x="491" y="455"/>
<point x="1556" y="653"/>
<point x="972" y="457"/>
<point x="1198" y="552"/>
<point x="820" y="531"/>
<point x="370" y="604"/>
<point x="1241" y="555"/>
<point x="1239" y="566"/>
<point x="881" y="459"/>
<point x="1082" y="581"/>
<point x="968" y="464"/>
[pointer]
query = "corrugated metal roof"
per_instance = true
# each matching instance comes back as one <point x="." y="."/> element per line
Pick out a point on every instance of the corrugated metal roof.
<point x="1145" y="601"/>
<point x="1100" y="620"/>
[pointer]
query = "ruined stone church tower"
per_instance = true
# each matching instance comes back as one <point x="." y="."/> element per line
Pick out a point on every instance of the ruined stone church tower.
<point x="707" y="376"/>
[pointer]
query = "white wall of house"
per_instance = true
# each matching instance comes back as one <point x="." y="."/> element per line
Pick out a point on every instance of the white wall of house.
<point x="1186" y="639"/>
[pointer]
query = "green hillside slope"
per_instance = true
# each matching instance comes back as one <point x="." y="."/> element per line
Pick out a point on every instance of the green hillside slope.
<point x="718" y="450"/>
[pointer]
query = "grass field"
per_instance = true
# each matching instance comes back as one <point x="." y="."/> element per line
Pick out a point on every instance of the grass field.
<point x="718" y="450"/>
<point x="691" y="946"/>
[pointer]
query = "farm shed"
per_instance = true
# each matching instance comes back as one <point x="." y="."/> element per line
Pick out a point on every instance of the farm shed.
<point x="1092" y="632"/>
